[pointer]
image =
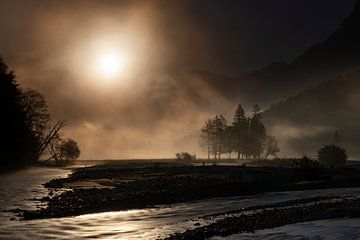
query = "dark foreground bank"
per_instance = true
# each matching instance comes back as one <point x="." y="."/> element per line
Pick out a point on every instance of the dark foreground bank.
<point x="271" y="216"/>
<point x="139" y="185"/>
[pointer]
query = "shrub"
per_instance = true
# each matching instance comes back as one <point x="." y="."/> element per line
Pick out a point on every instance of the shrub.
<point x="306" y="163"/>
<point x="307" y="169"/>
<point x="184" y="156"/>
<point x="332" y="156"/>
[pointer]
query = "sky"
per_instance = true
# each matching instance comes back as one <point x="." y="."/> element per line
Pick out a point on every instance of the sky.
<point x="148" y="106"/>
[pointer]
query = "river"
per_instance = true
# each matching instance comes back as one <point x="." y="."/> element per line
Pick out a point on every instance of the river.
<point x="18" y="191"/>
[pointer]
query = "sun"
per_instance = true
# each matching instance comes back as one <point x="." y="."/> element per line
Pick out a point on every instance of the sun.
<point x="111" y="64"/>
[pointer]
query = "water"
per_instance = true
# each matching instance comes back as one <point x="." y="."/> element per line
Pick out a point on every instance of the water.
<point x="332" y="229"/>
<point x="18" y="188"/>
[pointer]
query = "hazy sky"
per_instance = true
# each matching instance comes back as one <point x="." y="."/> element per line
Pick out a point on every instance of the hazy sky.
<point x="150" y="107"/>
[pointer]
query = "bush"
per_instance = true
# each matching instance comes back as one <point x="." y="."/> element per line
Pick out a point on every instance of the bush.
<point x="184" y="156"/>
<point x="332" y="156"/>
<point x="307" y="169"/>
<point x="306" y="163"/>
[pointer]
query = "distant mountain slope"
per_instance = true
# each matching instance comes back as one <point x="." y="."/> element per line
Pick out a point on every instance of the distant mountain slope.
<point x="305" y="122"/>
<point x="339" y="53"/>
<point x="248" y="88"/>
<point x="308" y="120"/>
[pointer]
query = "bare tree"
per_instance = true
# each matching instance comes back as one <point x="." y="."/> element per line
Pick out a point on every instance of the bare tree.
<point x="37" y="118"/>
<point x="51" y="141"/>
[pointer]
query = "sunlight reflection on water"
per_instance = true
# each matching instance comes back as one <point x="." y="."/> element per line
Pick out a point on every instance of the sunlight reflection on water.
<point x="16" y="189"/>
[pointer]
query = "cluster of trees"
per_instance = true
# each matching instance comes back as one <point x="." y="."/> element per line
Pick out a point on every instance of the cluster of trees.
<point x="246" y="136"/>
<point x="27" y="133"/>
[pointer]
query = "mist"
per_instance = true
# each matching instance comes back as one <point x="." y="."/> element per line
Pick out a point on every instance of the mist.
<point x="157" y="107"/>
<point x="173" y="120"/>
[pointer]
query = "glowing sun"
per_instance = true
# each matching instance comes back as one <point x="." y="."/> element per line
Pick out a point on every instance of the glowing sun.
<point x="111" y="64"/>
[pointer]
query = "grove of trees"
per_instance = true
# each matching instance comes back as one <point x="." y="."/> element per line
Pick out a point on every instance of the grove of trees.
<point x="246" y="136"/>
<point x="27" y="133"/>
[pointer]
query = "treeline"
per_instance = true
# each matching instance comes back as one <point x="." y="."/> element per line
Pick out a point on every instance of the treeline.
<point x="27" y="133"/>
<point x="246" y="136"/>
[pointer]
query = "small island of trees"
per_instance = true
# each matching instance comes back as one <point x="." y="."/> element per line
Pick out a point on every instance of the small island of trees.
<point x="246" y="136"/>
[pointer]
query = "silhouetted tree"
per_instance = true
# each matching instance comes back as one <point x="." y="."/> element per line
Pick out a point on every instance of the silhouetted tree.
<point x="240" y="131"/>
<point x="53" y="149"/>
<point x="332" y="156"/>
<point x="26" y="131"/>
<point x="228" y="140"/>
<point x="257" y="134"/>
<point x="36" y="112"/>
<point x="246" y="136"/>
<point x="38" y="121"/>
<point x="213" y="136"/>
<point x="272" y="147"/>
<point x="16" y="139"/>
<point x="69" y="150"/>
<point x="219" y="136"/>
<point x="206" y="136"/>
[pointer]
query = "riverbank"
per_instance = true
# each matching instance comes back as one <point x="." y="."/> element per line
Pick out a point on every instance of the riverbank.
<point x="272" y="216"/>
<point x="136" y="185"/>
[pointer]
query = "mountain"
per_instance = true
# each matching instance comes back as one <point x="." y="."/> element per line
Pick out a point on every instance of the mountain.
<point x="338" y="54"/>
<point x="328" y="78"/>
<point x="244" y="89"/>
<point x="307" y="121"/>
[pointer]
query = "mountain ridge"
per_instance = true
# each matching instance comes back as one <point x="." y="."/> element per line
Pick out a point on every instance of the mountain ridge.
<point x="324" y="88"/>
<point x="337" y="54"/>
